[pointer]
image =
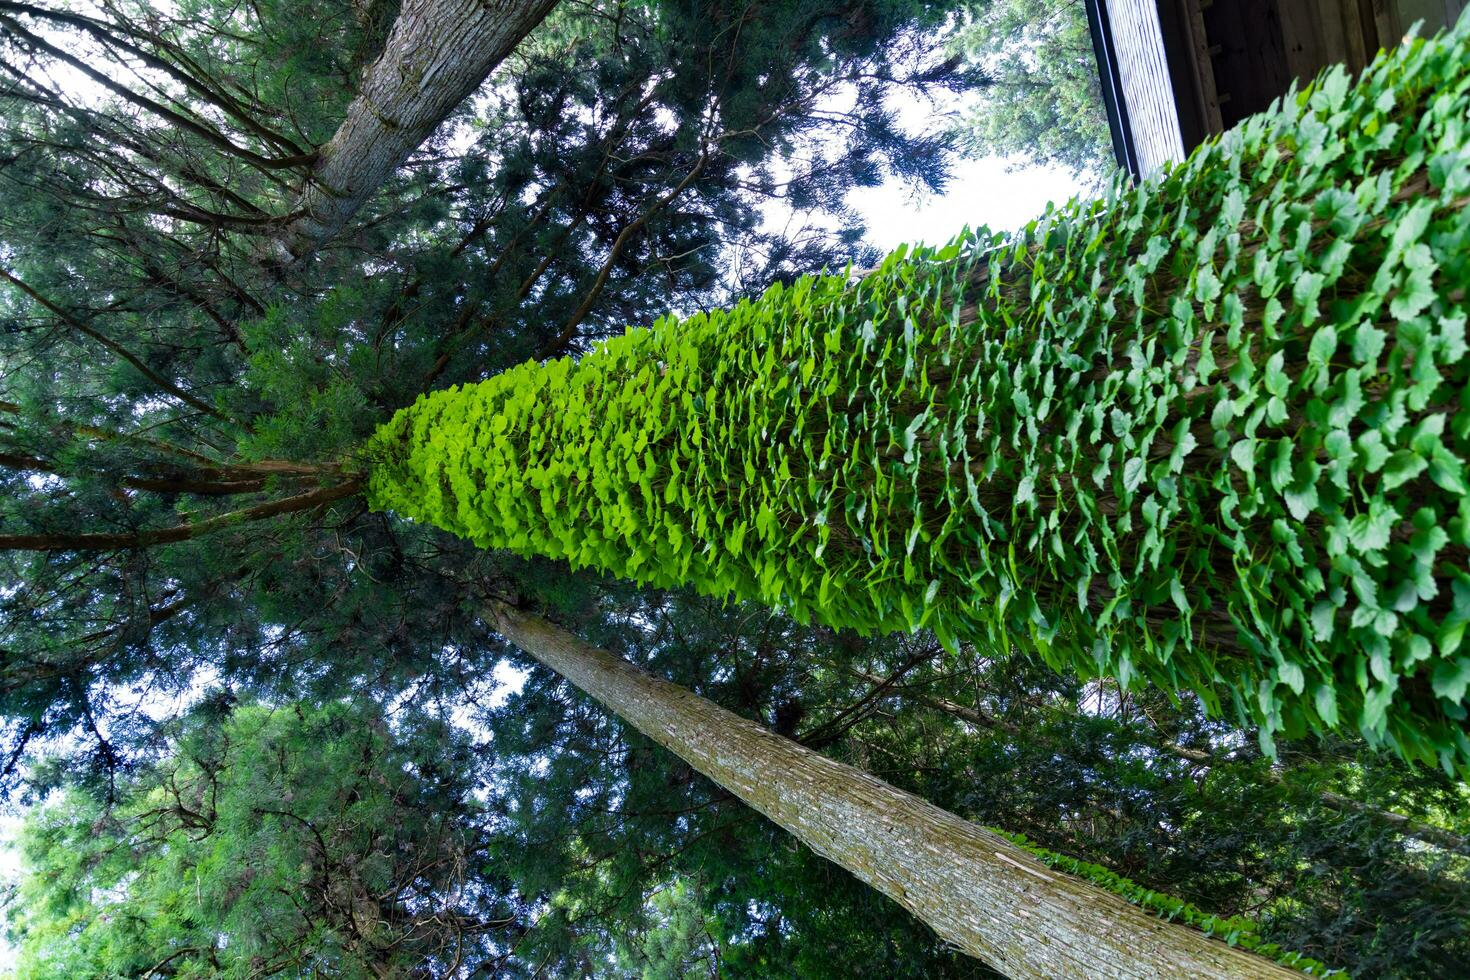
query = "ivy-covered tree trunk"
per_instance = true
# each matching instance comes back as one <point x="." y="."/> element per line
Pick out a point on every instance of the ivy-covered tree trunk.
<point x="438" y="52"/>
<point x="1209" y="433"/>
<point x="976" y="889"/>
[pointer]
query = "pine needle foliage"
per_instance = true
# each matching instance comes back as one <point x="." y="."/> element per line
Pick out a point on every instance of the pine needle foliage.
<point x="1206" y="433"/>
<point x="286" y="840"/>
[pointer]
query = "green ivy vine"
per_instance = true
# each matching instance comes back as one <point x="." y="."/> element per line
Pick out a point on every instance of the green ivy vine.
<point x="1208" y="432"/>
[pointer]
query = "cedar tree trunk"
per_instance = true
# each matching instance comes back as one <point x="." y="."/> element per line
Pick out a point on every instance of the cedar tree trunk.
<point x="437" y="53"/>
<point x="976" y="889"/>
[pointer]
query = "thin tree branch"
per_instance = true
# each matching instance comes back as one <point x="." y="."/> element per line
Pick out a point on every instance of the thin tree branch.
<point x="1405" y="825"/>
<point x="208" y="134"/>
<point x="114" y="541"/>
<point x="116" y="348"/>
<point x="569" y="329"/>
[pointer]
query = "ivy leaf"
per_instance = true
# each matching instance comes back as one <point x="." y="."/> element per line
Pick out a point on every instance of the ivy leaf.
<point x="1451" y="678"/>
<point x="1207" y="285"/>
<point x="1409" y="229"/>
<point x="1301" y="500"/>
<point x="1292" y="676"/>
<point x="1372" y="531"/>
<point x="1280" y="466"/>
<point x="1451" y="636"/>
<point x="1332" y="90"/>
<point x="1428" y="537"/>
<point x="1184" y="444"/>
<point x="1276" y="380"/>
<point x="1177" y="594"/>
<point x="1274" y="312"/>
<point x="1243" y="454"/>
<point x="1368" y="343"/>
<point x="1323" y="615"/>
<point x="1414" y="297"/>
<point x="1325" y="699"/>
<point x="1306" y="293"/>
<point x="1323" y="346"/>
<point x="1375" y="707"/>
<point x="1402" y="467"/>
<point x="1133" y="469"/>
<point x="1374" y="453"/>
<point x="1446" y="469"/>
<point x="1026" y="489"/>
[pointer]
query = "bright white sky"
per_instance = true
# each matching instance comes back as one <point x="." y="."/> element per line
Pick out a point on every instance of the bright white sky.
<point x="981" y="192"/>
<point x="994" y="191"/>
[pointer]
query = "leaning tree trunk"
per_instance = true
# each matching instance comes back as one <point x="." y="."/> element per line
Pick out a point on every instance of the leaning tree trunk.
<point x="436" y="54"/>
<point x="974" y="888"/>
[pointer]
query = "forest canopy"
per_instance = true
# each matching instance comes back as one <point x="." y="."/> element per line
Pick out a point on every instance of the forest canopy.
<point x="262" y="723"/>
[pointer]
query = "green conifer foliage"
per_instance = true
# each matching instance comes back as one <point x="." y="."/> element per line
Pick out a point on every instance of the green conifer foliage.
<point x="1208" y="432"/>
<point x="272" y="840"/>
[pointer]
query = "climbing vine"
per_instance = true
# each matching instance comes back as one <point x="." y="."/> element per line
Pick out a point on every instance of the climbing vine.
<point x="1207" y="432"/>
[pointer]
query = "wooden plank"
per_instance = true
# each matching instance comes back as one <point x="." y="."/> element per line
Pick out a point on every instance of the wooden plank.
<point x="1204" y="68"/>
<point x="1372" y="34"/>
<point x="1335" y="48"/>
<point x="1358" y="50"/>
<point x="1251" y="66"/>
<point x="1386" y="20"/>
<point x="1147" y="89"/>
<point x="1435" y="14"/>
<point x="1302" y="38"/>
<point x="1319" y="33"/>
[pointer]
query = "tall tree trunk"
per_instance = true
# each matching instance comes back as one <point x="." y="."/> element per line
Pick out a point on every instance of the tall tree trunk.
<point x="437" y="53"/>
<point x="976" y="889"/>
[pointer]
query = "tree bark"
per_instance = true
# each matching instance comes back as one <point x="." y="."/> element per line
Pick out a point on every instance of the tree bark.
<point x="974" y="888"/>
<point x="437" y="53"/>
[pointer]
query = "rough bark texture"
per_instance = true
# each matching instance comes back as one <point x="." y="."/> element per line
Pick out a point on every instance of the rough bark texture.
<point x="437" y="53"/>
<point x="975" y="889"/>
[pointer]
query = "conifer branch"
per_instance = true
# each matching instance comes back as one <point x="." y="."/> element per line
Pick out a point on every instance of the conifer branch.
<point x="112" y="345"/>
<point x="207" y="133"/>
<point x="116" y="541"/>
<point x="1405" y="825"/>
